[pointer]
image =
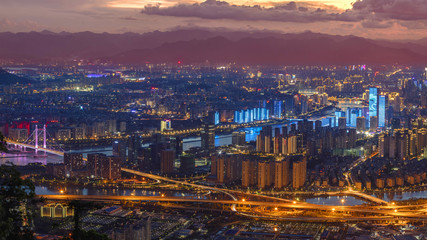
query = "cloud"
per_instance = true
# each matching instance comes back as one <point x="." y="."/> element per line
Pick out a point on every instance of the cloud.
<point x="129" y="18"/>
<point x="394" y="9"/>
<point x="377" y="24"/>
<point x="9" y="25"/>
<point x="213" y="9"/>
<point x="370" y="13"/>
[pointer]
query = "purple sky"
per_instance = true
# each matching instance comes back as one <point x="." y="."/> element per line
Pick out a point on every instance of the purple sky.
<point x="392" y="19"/>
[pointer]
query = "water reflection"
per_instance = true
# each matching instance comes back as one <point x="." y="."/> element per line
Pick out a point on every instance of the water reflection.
<point x="401" y="196"/>
<point x="336" y="201"/>
<point x="25" y="158"/>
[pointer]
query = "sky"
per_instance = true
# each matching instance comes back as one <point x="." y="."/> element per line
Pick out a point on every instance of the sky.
<point x="385" y="19"/>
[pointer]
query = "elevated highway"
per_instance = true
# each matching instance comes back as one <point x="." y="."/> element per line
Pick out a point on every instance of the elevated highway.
<point x="376" y="212"/>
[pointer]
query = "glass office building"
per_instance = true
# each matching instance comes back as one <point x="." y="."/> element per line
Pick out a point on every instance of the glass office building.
<point x="381" y="111"/>
<point x="373" y="102"/>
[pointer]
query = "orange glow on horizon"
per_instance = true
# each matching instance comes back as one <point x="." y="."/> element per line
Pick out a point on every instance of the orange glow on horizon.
<point x="341" y="4"/>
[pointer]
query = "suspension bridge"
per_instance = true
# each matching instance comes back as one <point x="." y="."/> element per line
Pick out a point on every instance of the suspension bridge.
<point x="33" y="142"/>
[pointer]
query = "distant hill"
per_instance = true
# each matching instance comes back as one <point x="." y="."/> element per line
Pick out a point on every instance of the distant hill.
<point x="272" y="50"/>
<point x="197" y="46"/>
<point x="8" y="79"/>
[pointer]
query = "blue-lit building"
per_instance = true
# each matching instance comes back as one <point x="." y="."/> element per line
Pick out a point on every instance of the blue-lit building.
<point x="278" y="109"/>
<point x="250" y="115"/>
<point x="373" y="102"/>
<point x="338" y="114"/>
<point x="381" y="111"/>
<point x="216" y="118"/>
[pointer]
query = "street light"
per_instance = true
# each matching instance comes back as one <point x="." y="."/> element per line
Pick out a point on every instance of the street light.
<point x="243" y="200"/>
<point x="333" y="209"/>
<point x="275" y="208"/>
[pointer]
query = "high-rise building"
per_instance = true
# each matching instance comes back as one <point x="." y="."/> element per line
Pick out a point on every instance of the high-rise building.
<point x="99" y="165"/>
<point x="361" y="124"/>
<point x="281" y="174"/>
<point x="342" y="123"/>
<point x="299" y="172"/>
<point x="134" y="143"/>
<point x="73" y="161"/>
<point x="165" y="125"/>
<point x="373" y="103"/>
<point x="216" y="122"/>
<point x="119" y="149"/>
<point x="381" y="111"/>
<point x="167" y="161"/>
<point x="238" y="138"/>
<point x="249" y="173"/>
<point x="265" y="174"/>
<point x="373" y="123"/>
<point x="177" y="145"/>
<point x="18" y="134"/>
<point x="208" y="137"/>
<point x="111" y="126"/>
<point x="228" y="167"/>
<point x="383" y="145"/>
<point x="94" y="161"/>
<point x="111" y="167"/>
<point x="278" y="109"/>
<point x="292" y="144"/>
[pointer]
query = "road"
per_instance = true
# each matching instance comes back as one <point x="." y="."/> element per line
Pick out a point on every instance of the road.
<point x="377" y="211"/>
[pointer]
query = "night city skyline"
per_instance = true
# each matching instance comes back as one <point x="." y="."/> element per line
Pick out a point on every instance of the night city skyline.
<point x="397" y="19"/>
<point x="132" y="119"/>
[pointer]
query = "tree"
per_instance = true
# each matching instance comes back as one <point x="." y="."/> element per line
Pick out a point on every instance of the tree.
<point x="15" y="194"/>
<point x="3" y="145"/>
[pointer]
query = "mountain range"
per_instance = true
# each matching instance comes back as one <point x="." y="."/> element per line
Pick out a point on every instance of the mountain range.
<point x="7" y="78"/>
<point x="201" y="46"/>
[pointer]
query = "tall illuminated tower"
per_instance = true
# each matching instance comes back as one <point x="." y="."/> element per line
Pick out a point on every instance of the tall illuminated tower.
<point x="381" y="111"/>
<point x="373" y="103"/>
<point x="278" y="109"/>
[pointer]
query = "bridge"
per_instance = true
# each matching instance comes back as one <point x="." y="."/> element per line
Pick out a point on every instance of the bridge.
<point x="32" y="142"/>
<point x="237" y="192"/>
<point x="43" y="149"/>
<point x="274" y="209"/>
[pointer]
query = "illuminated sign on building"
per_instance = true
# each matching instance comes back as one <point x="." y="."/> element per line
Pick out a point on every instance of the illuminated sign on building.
<point x="373" y="102"/>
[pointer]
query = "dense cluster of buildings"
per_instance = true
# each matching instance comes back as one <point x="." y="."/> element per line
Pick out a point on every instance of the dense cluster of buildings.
<point x="97" y="166"/>
<point x="259" y="171"/>
<point x="403" y="143"/>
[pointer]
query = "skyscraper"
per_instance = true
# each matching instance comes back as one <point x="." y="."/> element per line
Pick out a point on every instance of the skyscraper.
<point x="373" y="103"/>
<point x="73" y="161"/>
<point x="374" y="123"/>
<point x="342" y="123"/>
<point x="360" y="124"/>
<point x="381" y="111"/>
<point x="119" y="149"/>
<point x="282" y="174"/>
<point x="299" y="172"/>
<point x="208" y="137"/>
<point x="167" y="159"/>
<point x="278" y="109"/>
